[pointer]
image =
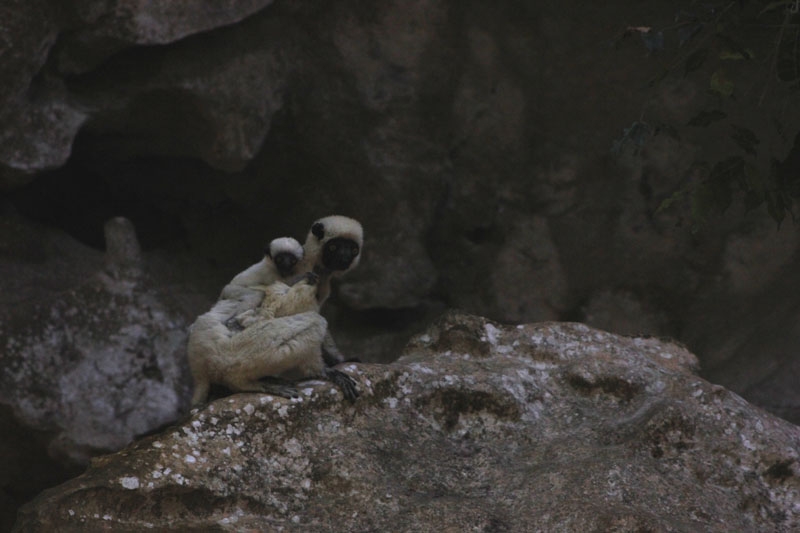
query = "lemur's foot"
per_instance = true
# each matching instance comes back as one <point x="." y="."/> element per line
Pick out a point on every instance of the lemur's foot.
<point x="233" y="324"/>
<point x="343" y="381"/>
<point x="279" y="387"/>
<point x="321" y="270"/>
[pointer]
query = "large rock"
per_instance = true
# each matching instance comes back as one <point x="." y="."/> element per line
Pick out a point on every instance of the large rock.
<point x="93" y="352"/>
<point x="38" y="122"/>
<point x="41" y="118"/>
<point x="552" y="426"/>
<point x="104" y="28"/>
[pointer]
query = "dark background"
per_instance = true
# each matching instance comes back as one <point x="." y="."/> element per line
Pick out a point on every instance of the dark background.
<point x="507" y="159"/>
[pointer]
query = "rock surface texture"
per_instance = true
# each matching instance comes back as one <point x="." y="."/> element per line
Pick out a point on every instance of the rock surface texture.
<point x="92" y="353"/>
<point x="478" y="427"/>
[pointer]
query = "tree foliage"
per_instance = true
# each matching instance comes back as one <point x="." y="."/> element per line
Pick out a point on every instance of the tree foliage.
<point x="747" y="55"/>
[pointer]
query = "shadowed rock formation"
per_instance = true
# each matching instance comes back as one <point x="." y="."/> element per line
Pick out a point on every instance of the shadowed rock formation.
<point x="477" y="427"/>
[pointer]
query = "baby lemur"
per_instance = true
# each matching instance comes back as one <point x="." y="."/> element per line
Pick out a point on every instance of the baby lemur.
<point x="280" y="262"/>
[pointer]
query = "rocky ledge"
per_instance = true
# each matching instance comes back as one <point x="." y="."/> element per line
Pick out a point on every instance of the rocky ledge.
<point x="478" y="427"/>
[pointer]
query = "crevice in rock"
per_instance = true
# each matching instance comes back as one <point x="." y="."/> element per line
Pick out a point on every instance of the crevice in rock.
<point x="79" y="201"/>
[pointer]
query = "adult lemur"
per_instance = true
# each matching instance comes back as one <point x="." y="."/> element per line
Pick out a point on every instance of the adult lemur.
<point x="281" y="340"/>
<point x="284" y="338"/>
<point x="332" y="247"/>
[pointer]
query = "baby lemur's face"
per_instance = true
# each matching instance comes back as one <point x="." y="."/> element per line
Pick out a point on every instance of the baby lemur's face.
<point x="285" y="263"/>
<point x="285" y="253"/>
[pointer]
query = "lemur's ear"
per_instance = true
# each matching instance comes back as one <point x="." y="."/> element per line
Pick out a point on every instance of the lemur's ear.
<point x="318" y="230"/>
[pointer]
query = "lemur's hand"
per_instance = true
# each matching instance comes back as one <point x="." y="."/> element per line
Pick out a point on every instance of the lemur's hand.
<point x="321" y="271"/>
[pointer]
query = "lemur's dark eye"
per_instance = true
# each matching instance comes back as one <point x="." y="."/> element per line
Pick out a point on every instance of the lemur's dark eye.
<point x="355" y="251"/>
<point x="332" y="247"/>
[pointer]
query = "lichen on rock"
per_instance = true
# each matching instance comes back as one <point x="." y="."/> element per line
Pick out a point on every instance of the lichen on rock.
<point x="479" y="426"/>
<point x="97" y="360"/>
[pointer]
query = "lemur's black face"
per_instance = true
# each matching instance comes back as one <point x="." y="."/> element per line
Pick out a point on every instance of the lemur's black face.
<point x="285" y="262"/>
<point x="339" y="253"/>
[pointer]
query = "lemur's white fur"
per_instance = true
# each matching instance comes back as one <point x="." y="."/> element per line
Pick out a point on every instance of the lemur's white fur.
<point x="285" y="336"/>
<point x="282" y="338"/>
<point x="280" y="300"/>
<point x="210" y="336"/>
<point x="247" y="287"/>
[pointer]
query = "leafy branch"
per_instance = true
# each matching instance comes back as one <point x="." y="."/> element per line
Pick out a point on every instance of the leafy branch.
<point x="720" y="44"/>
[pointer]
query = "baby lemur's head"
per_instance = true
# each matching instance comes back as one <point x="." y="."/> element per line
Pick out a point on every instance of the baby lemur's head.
<point x="285" y="252"/>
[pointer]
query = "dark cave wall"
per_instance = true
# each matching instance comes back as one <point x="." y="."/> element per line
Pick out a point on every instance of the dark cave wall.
<point x="473" y="142"/>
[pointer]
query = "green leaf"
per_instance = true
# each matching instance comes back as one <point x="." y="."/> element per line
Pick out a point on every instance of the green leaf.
<point x="657" y="78"/>
<point x="723" y="176"/>
<point x="720" y="84"/>
<point x="695" y="60"/>
<point x="754" y="181"/>
<point x="775" y="5"/>
<point x="780" y="129"/>
<point x="752" y="200"/>
<point x="728" y="168"/>
<point x="745" y="138"/>
<point x="755" y="187"/>
<point x="705" y="118"/>
<point x="736" y="55"/>
<point x="672" y="199"/>
<point x="776" y="208"/>
<point x="787" y="63"/>
<point x="701" y="201"/>
<point x="733" y="48"/>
